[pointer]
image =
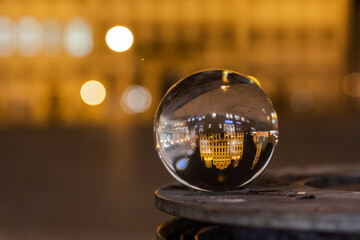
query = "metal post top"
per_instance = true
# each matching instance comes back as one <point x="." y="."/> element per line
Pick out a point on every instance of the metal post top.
<point x="316" y="198"/>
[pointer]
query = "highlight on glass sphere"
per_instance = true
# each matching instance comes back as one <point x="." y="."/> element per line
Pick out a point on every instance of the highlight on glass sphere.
<point x="216" y="130"/>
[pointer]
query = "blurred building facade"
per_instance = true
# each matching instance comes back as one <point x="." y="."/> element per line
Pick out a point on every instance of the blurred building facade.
<point x="48" y="49"/>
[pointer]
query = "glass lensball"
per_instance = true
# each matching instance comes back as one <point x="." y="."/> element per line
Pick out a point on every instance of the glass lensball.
<point x="216" y="130"/>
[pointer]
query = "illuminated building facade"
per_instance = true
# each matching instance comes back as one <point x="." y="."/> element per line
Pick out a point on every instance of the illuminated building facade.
<point x="220" y="150"/>
<point x="48" y="49"/>
<point x="260" y="139"/>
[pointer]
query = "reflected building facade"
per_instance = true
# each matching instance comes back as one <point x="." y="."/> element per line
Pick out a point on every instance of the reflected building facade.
<point x="221" y="149"/>
<point x="219" y="139"/>
<point x="260" y="139"/>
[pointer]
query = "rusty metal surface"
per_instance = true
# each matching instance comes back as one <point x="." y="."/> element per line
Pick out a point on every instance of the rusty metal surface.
<point x="279" y="199"/>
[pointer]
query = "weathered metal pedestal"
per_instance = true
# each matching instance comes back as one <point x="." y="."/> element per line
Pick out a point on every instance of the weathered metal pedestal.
<point x="317" y="202"/>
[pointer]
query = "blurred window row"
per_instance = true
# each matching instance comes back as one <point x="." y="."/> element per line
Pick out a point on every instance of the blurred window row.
<point x="30" y="37"/>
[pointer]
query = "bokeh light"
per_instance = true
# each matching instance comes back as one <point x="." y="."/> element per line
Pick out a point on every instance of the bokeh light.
<point x="52" y="37"/>
<point x="301" y="100"/>
<point x="136" y="99"/>
<point x="30" y="36"/>
<point x="6" y="37"/>
<point x="93" y="92"/>
<point x="78" y="39"/>
<point x="351" y="85"/>
<point x="119" y="39"/>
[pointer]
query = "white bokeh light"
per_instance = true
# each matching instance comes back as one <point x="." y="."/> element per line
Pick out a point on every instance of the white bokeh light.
<point x="136" y="99"/>
<point x="7" y="37"/>
<point x="78" y="39"/>
<point x="119" y="39"/>
<point x="29" y="36"/>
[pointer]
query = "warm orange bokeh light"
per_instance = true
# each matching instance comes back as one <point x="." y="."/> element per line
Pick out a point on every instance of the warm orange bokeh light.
<point x="93" y="92"/>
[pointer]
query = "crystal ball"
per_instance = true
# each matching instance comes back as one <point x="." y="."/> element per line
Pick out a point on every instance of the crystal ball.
<point x="216" y="130"/>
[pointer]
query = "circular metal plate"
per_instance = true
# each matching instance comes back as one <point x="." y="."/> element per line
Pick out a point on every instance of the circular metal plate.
<point x="310" y="198"/>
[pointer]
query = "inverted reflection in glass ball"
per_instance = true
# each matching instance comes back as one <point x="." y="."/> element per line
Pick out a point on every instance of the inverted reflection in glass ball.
<point x="216" y="130"/>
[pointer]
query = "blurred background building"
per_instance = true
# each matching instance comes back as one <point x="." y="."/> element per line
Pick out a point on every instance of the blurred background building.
<point x="77" y="99"/>
<point x="297" y="49"/>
